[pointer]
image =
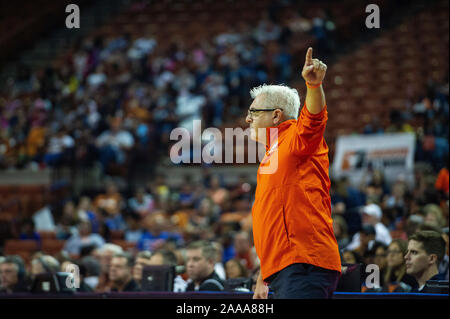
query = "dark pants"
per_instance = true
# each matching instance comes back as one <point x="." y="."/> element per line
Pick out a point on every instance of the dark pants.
<point x="303" y="281"/>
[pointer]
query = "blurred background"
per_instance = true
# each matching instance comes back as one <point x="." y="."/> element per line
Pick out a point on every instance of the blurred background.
<point x="86" y="115"/>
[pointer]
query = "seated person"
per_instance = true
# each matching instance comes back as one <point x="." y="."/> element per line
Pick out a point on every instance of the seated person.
<point x="142" y="203"/>
<point x="104" y="256"/>
<point x="142" y="259"/>
<point x="12" y="279"/>
<point x="396" y="279"/>
<point x="84" y="238"/>
<point x="425" y="251"/>
<point x="156" y="233"/>
<point x="235" y="269"/>
<point x="120" y="273"/>
<point x="201" y="258"/>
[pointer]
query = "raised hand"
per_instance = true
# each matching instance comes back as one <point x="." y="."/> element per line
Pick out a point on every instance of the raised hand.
<point x="314" y="70"/>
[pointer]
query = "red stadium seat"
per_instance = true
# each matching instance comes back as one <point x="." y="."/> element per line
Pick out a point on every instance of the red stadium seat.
<point x="47" y="234"/>
<point x="52" y="246"/>
<point x="13" y="246"/>
<point x="117" y="235"/>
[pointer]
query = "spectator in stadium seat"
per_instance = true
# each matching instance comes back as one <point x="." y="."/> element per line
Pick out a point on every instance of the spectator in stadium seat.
<point x="59" y="148"/>
<point x="84" y="238"/>
<point x="85" y="211"/>
<point x="426" y="249"/>
<point x="351" y="257"/>
<point x="442" y="181"/>
<point x="167" y="257"/>
<point x="114" y="144"/>
<point x="133" y="231"/>
<point x="234" y="269"/>
<point x="345" y="192"/>
<point x="120" y="273"/>
<point x="366" y="240"/>
<point x="396" y="200"/>
<point x="142" y="203"/>
<point x="155" y="233"/>
<point x="111" y="202"/>
<point x="217" y="193"/>
<point x="105" y="255"/>
<point x="12" y="277"/>
<point x="396" y="278"/>
<point x="67" y="226"/>
<point x="433" y="216"/>
<point x="371" y="215"/>
<point x="444" y="263"/>
<point x="201" y="257"/>
<point x="142" y="259"/>
<point x="44" y="264"/>
<point x="376" y="186"/>
<point x="160" y="189"/>
<point x="378" y="257"/>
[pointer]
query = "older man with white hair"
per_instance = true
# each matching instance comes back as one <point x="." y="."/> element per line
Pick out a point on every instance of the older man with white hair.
<point x="292" y="225"/>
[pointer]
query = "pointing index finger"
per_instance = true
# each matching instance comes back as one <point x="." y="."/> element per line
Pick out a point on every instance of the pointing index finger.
<point x="308" y="59"/>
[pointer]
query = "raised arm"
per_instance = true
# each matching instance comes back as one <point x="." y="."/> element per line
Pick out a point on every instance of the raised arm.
<point x="314" y="72"/>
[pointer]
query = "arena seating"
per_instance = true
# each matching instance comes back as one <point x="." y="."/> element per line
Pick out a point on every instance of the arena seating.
<point x="380" y="75"/>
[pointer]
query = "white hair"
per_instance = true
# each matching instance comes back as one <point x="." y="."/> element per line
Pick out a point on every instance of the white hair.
<point x="280" y="96"/>
<point x="115" y="249"/>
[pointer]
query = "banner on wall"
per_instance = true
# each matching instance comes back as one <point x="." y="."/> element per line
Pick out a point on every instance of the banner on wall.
<point x="391" y="153"/>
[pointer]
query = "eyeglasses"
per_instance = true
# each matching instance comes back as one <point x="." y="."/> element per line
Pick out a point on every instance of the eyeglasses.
<point x="251" y="112"/>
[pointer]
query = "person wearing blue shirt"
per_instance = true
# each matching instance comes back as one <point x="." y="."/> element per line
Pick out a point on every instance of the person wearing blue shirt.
<point x="156" y="234"/>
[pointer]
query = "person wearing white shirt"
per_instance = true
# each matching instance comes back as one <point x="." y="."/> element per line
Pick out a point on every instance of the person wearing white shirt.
<point x="114" y="143"/>
<point x="371" y="215"/>
<point x="57" y="146"/>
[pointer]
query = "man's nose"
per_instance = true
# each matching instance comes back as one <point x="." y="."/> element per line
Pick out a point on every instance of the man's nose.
<point x="248" y="119"/>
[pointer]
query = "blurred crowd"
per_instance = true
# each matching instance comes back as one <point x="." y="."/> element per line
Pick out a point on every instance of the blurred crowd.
<point x="372" y="225"/>
<point x="114" y="100"/>
<point x="426" y="116"/>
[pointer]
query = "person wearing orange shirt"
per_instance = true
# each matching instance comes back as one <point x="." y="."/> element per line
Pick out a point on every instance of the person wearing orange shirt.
<point x="292" y="225"/>
<point x="442" y="182"/>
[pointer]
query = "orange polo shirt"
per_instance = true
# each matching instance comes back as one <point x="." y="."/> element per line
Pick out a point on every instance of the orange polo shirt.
<point x="292" y="209"/>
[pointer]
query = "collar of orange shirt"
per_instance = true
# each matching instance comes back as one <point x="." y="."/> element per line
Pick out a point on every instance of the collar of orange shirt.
<point x="273" y="138"/>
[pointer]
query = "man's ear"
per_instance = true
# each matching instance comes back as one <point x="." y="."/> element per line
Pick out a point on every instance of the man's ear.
<point x="277" y="117"/>
<point x="432" y="259"/>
